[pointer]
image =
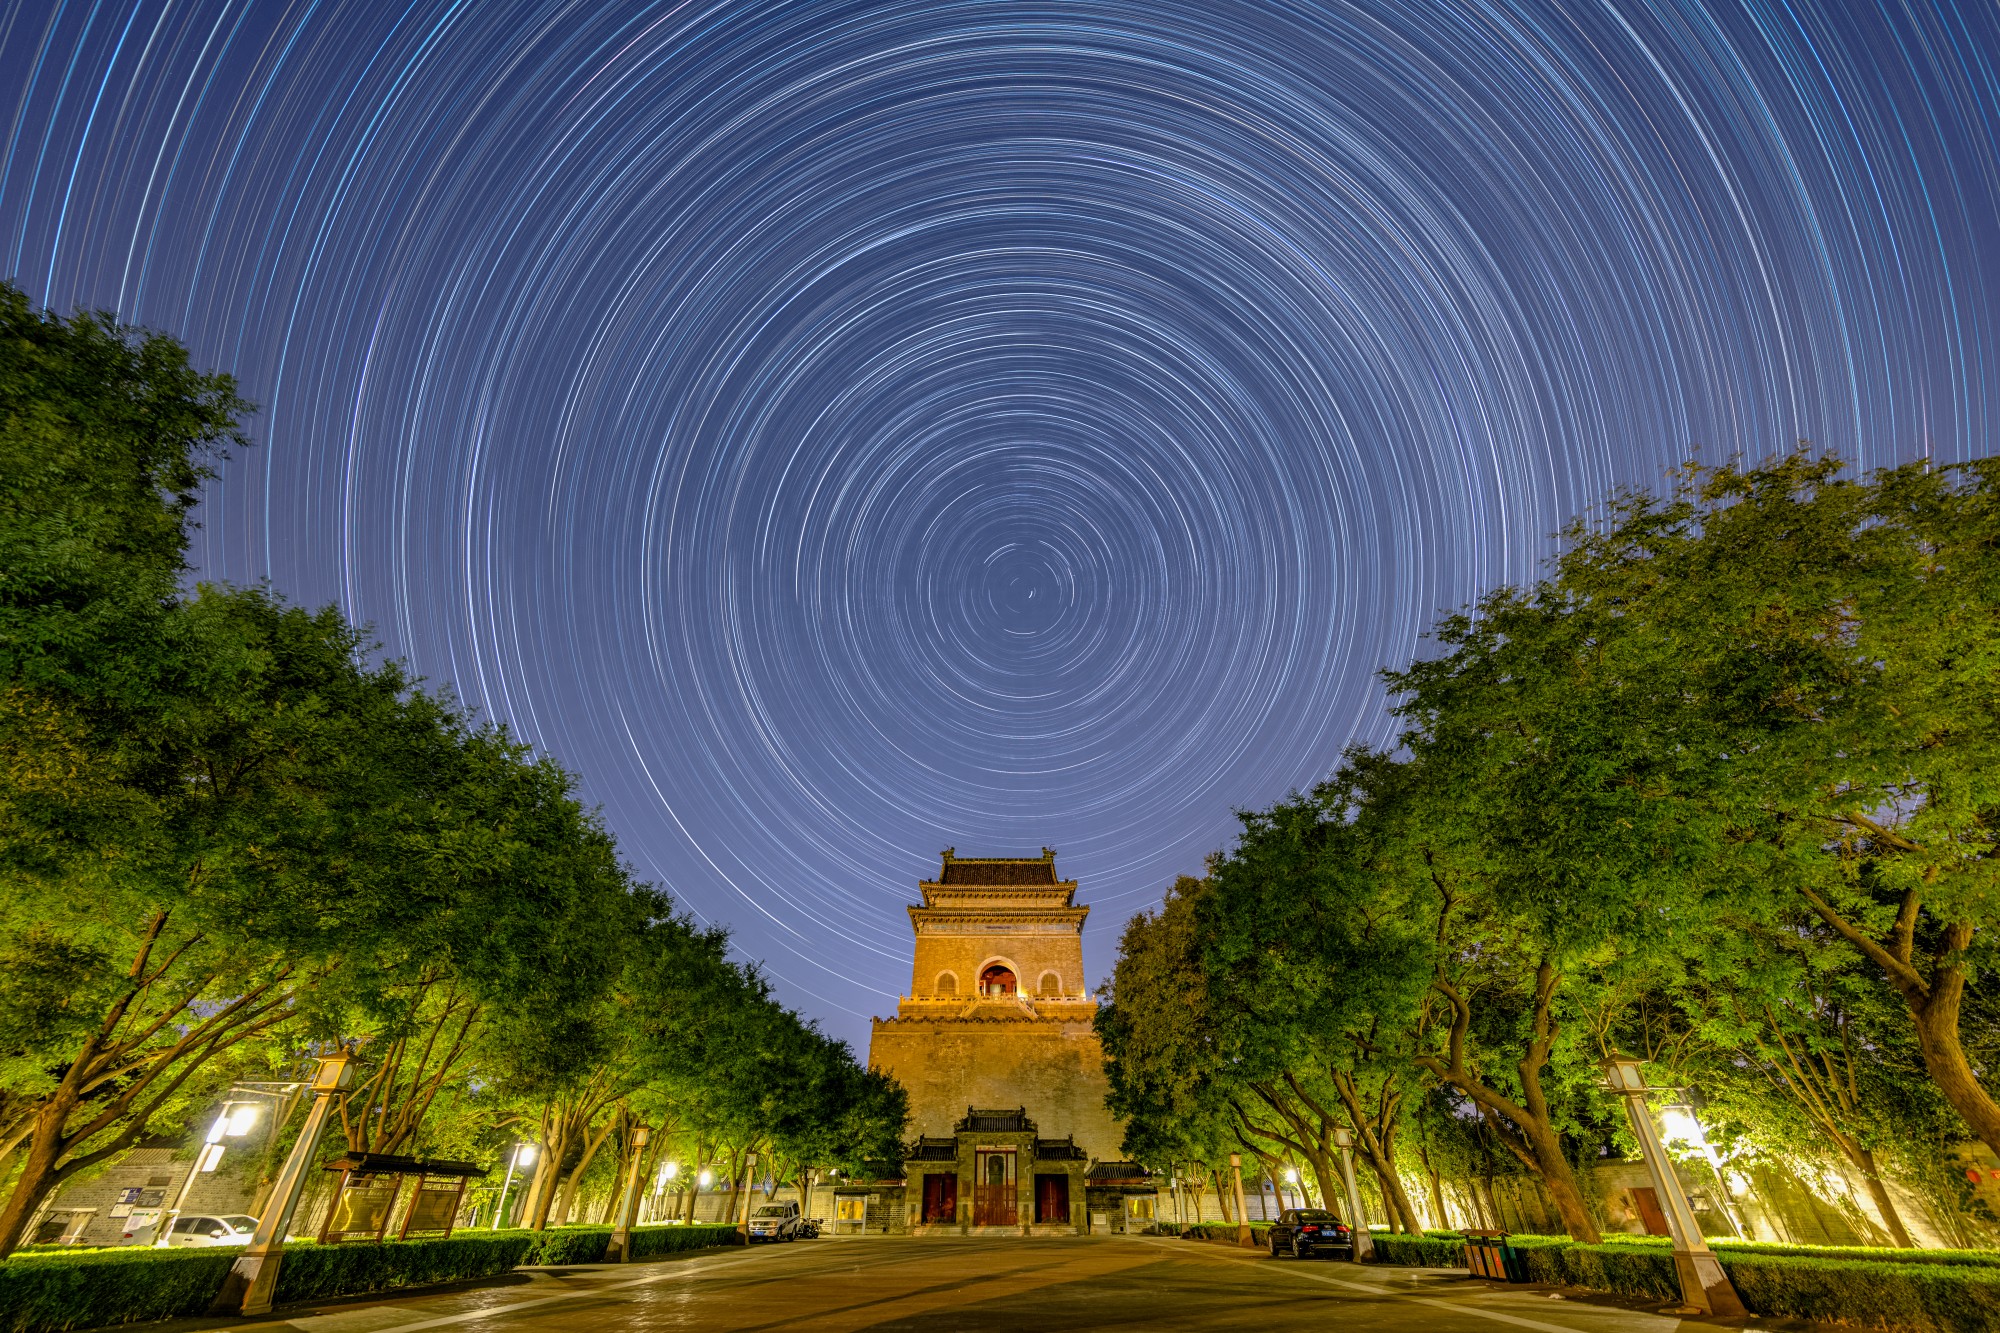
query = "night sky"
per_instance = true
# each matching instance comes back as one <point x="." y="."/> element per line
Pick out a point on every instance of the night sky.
<point x="842" y="431"/>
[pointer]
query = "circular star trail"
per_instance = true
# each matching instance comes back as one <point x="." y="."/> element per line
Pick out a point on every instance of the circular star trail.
<point x="839" y="431"/>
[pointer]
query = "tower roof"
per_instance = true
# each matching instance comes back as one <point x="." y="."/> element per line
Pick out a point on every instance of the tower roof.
<point x="999" y="871"/>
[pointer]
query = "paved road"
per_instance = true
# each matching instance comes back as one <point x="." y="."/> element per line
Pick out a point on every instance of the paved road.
<point x="949" y="1285"/>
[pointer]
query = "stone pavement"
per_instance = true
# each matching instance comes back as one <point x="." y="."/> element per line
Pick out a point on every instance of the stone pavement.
<point x="936" y="1284"/>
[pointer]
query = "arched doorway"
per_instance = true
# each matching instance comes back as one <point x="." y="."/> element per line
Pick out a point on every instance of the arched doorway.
<point x="998" y="979"/>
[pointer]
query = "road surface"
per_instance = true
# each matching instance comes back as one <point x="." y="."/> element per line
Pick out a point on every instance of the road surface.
<point x="949" y="1285"/>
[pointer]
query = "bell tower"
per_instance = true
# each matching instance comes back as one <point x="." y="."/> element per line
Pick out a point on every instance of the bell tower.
<point x="999" y="1012"/>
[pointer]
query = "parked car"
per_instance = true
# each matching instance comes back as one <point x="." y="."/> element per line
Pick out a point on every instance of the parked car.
<point x="776" y="1221"/>
<point x="211" y="1229"/>
<point x="1304" y="1232"/>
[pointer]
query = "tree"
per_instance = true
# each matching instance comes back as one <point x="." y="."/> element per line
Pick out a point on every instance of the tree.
<point x="1830" y="643"/>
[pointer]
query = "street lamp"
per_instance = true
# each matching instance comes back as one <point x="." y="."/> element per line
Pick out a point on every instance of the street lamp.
<point x="253" y="1278"/>
<point x="1364" y="1240"/>
<point x="620" y="1248"/>
<point x="1292" y="1180"/>
<point x="1242" y="1217"/>
<point x="1705" y="1287"/>
<point x="523" y="1155"/>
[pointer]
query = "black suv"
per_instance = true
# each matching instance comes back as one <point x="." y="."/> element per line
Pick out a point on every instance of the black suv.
<point x="1304" y="1232"/>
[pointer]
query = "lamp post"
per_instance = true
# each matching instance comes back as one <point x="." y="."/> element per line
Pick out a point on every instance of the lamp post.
<point x="1292" y="1182"/>
<point x="523" y="1155"/>
<point x="253" y="1278"/>
<point x="1705" y="1287"/>
<point x="1364" y="1243"/>
<point x="1242" y="1216"/>
<point x="749" y="1179"/>
<point x="619" y="1251"/>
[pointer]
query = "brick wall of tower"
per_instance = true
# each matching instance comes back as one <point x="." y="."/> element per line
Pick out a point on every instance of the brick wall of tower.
<point x="1029" y="955"/>
<point x="1052" y="1066"/>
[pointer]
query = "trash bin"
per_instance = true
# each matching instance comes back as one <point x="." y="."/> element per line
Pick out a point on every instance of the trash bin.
<point x="1488" y="1255"/>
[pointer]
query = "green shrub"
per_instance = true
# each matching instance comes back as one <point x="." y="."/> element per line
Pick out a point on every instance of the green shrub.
<point x="1625" y="1269"/>
<point x="649" y="1241"/>
<point x="49" y="1291"/>
<point x="1943" y="1292"/>
<point x="567" y="1245"/>
<point x="46" y="1292"/>
<point x="315" y="1272"/>
<point x="1227" y="1231"/>
<point x="1426" y="1251"/>
<point x="1933" y="1298"/>
<point x="1870" y="1253"/>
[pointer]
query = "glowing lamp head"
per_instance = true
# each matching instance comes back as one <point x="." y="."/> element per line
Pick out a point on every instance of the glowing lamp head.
<point x="240" y="1120"/>
<point x="1624" y="1074"/>
<point x="670" y="1170"/>
<point x="707" y="1178"/>
<point x="525" y="1155"/>
<point x="1291" y="1175"/>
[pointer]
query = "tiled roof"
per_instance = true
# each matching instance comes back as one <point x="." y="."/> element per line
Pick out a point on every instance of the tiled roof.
<point x="1035" y="871"/>
<point x="978" y="1121"/>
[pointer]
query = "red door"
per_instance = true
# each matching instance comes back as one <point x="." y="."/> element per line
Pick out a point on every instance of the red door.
<point x="1648" y="1204"/>
<point x="940" y="1198"/>
<point x="1052" y="1198"/>
<point x="993" y="1199"/>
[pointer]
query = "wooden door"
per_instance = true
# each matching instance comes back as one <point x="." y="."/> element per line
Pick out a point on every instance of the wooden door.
<point x="940" y="1198"/>
<point x="993" y="1200"/>
<point x="1650" y="1212"/>
<point x="1052" y="1198"/>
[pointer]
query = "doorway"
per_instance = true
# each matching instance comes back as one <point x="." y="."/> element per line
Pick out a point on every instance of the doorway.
<point x="994" y="1203"/>
<point x="1052" y="1198"/>
<point x="941" y="1198"/>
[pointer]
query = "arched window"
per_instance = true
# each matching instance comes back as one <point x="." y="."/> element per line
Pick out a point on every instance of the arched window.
<point x="998" y="979"/>
<point x="1050" y="984"/>
<point x="947" y="983"/>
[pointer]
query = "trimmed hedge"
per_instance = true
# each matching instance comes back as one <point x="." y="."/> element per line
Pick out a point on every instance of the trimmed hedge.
<point x="1225" y="1231"/>
<point x="1946" y="1291"/>
<point x="1881" y="1254"/>
<point x="1419" y="1251"/>
<point x="315" y="1272"/>
<point x="1931" y="1298"/>
<point x="44" y="1293"/>
<point x="48" y="1291"/>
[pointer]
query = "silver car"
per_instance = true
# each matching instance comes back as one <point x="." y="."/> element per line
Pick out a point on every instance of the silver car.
<point x="211" y="1229"/>
<point x="775" y="1221"/>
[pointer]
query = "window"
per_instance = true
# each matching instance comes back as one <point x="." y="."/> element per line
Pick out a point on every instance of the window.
<point x="1050" y="984"/>
<point x="851" y="1207"/>
<point x="947" y="984"/>
<point x="187" y="1226"/>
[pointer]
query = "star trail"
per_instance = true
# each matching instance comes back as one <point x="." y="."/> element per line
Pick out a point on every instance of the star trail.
<point x="839" y="431"/>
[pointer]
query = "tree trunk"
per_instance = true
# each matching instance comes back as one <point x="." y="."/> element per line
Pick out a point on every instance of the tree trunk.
<point x="38" y="1170"/>
<point x="1935" y="1017"/>
<point x="1864" y="1161"/>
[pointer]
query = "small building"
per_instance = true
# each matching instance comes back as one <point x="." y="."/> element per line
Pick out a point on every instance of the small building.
<point x="996" y="1175"/>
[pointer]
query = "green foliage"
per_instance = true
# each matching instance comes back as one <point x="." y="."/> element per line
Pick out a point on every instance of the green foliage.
<point x="315" y="1272"/>
<point x="43" y="1292"/>
<point x="49" y="1291"/>
<point x="1932" y="1298"/>
<point x="1428" y="1251"/>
